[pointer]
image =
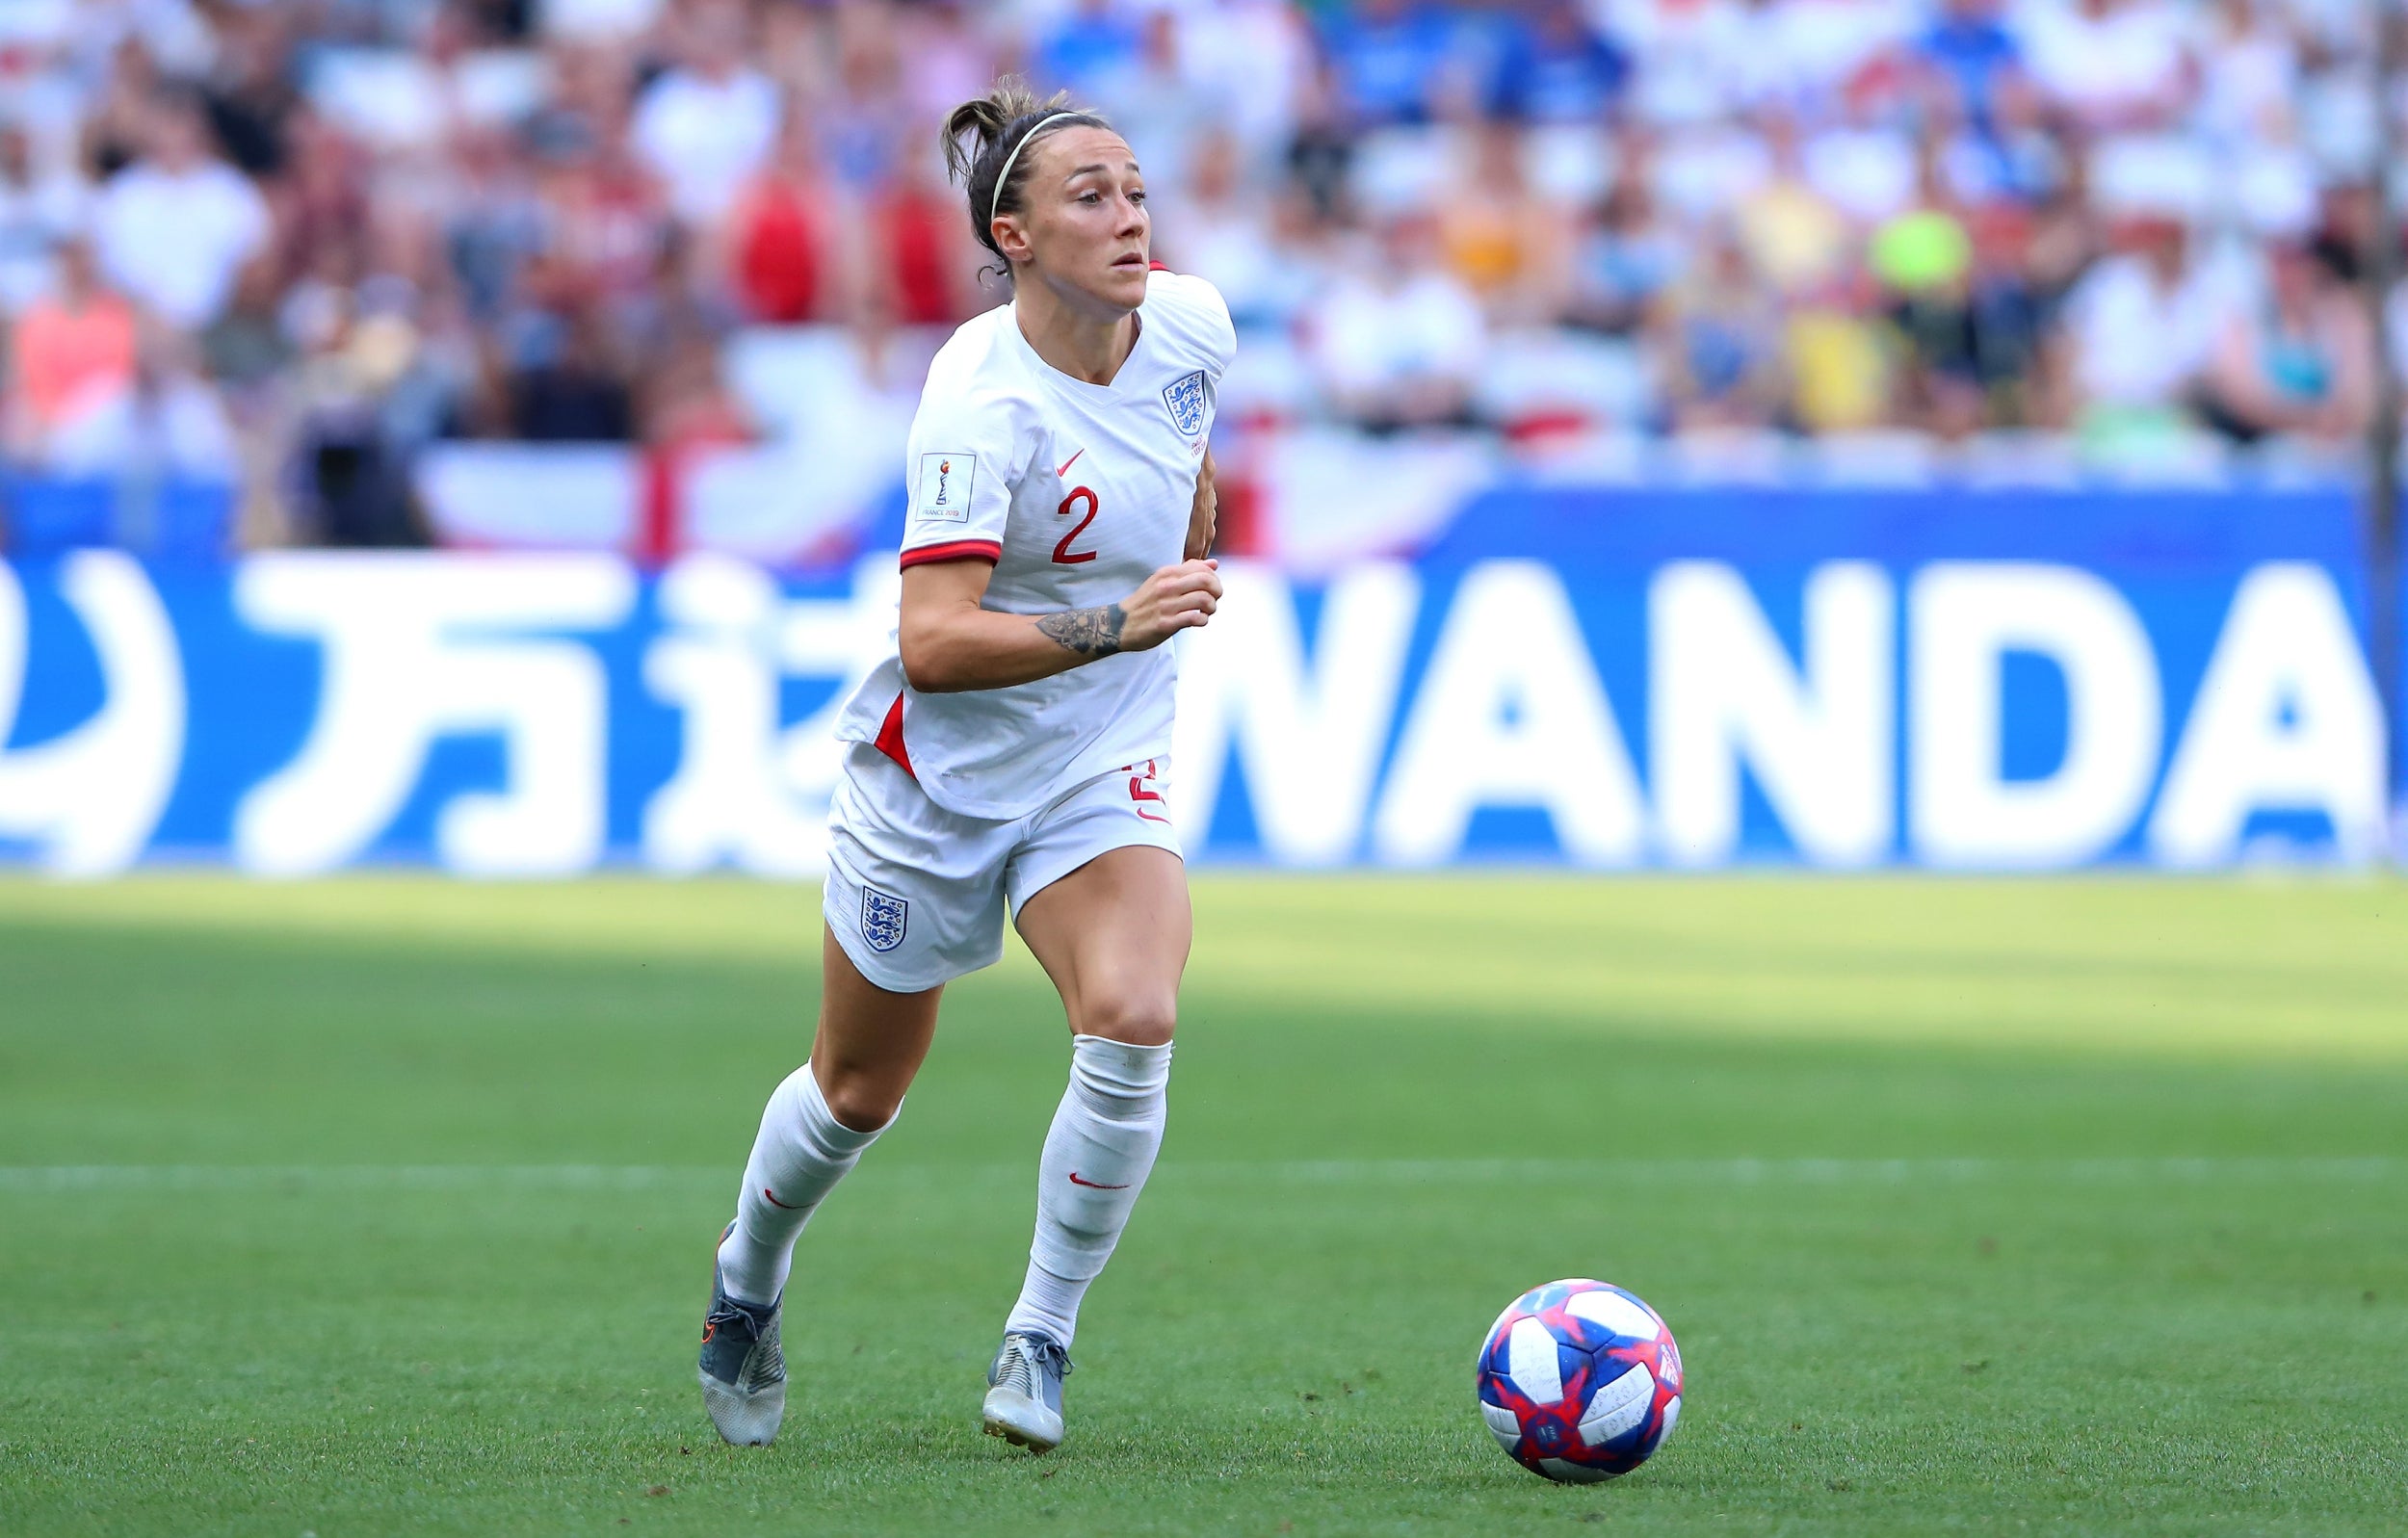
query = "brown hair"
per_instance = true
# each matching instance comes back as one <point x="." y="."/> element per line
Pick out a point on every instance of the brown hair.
<point x="998" y="126"/>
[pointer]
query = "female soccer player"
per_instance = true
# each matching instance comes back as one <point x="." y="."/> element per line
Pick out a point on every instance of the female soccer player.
<point x="1012" y="748"/>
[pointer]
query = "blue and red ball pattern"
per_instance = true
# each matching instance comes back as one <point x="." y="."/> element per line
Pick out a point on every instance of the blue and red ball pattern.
<point x="1556" y="1385"/>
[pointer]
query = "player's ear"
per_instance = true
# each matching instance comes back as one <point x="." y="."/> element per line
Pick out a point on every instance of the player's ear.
<point x="1012" y="237"/>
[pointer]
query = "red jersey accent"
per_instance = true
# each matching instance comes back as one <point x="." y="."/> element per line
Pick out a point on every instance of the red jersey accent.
<point x="989" y="551"/>
<point x="1157" y="267"/>
<point x="891" y="744"/>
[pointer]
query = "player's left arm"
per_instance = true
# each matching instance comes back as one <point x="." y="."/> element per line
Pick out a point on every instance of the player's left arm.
<point x="1206" y="317"/>
<point x="1204" y="513"/>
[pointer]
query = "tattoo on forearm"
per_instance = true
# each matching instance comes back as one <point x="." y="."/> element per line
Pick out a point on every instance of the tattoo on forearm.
<point x="1088" y="632"/>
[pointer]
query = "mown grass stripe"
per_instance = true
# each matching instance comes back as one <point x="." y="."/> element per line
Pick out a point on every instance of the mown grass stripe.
<point x="44" y="1178"/>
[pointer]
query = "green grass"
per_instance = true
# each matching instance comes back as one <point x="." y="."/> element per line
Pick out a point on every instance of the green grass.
<point x="385" y="1206"/>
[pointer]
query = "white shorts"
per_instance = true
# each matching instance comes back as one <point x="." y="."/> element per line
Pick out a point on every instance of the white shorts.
<point x="917" y="894"/>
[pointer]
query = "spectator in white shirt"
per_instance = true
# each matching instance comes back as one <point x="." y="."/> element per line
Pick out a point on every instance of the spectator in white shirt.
<point x="1398" y="345"/>
<point x="1864" y="165"/>
<point x="706" y="127"/>
<point x="36" y="212"/>
<point x="2111" y="64"/>
<point x="1224" y="231"/>
<point x="175" y="228"/>
<point x="2142" y="324"/>
<point x="1804" y="53"/>
<point x="2248" y="75"/>
<point x="1255" y="56"/>
<point x="1160" y="107"/>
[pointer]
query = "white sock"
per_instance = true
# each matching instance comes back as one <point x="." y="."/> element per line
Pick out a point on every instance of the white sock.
<point x="1097" y="1156"/>
<point x="801" y="1153"/>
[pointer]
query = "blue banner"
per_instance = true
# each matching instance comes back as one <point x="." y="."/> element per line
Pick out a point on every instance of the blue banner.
<point x="1569" y="676"/>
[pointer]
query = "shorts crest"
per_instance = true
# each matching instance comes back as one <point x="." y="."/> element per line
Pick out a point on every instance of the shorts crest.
<point x="883" y="919"/>
<point x="1188" y="396"/>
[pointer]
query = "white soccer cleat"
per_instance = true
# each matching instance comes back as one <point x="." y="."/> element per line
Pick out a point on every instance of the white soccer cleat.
<point x="742" y="1370"/>
<point x="1024" y="1404"/>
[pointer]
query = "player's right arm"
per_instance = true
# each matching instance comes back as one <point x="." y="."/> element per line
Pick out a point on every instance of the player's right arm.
<point x="950" y="643"/>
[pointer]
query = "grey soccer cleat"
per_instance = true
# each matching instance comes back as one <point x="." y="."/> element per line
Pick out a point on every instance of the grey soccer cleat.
<point x="743" y="1372"/>
<point x="1024" y="1405"/>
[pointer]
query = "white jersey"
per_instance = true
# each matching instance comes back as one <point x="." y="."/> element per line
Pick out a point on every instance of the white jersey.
<point x="1077" y="493"/>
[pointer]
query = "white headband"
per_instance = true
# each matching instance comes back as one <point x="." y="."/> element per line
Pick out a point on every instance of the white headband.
<point x="995" y="203"/>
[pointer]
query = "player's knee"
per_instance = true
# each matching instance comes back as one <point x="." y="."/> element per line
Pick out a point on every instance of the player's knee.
<point x="860" y="1101"/>
<point x="1134" y="1019"/>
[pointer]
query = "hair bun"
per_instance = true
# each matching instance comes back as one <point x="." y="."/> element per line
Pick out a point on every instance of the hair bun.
<point x="979" y="140"/>
<point x="989" y="119"/>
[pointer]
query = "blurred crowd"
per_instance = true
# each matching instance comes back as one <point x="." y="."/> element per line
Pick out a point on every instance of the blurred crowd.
<point x="287" y="244"/>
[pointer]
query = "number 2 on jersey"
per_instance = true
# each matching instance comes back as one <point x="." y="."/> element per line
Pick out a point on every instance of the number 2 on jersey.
<point x="1064" y="555"/>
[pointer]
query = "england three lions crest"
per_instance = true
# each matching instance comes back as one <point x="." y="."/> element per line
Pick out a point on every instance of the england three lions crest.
<point x="883" y="919"/>
<point x="1188" y="396"/>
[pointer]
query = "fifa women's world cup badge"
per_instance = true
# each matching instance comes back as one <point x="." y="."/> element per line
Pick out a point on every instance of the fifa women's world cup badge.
<point x="1188" y="396"/>
<point x="945" y="480"/>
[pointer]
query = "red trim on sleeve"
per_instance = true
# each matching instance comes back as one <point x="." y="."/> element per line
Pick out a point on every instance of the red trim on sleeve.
<point x="989" y="551"/>
<point x="890" y="738"/>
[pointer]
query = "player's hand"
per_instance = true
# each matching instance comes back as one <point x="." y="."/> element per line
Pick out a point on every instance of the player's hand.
<point x="1204" y="513"/>
<point x="1173" y="599"/>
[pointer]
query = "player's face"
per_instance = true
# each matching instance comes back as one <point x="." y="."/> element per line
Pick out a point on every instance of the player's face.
<point x="1083" y="222"/>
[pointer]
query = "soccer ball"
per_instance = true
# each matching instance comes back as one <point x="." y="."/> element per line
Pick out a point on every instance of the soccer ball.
<point x="1580" y="1381"/>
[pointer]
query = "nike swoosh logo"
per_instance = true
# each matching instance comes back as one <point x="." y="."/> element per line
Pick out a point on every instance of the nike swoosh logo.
<point x="1075" y="1180"/>
<point x="1065" y="470"/>
<point x="774" y="1202"/>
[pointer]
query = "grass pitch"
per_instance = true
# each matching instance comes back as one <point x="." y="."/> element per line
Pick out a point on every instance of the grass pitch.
<point x="385" y="1205"/>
